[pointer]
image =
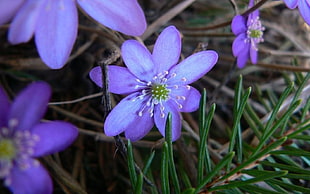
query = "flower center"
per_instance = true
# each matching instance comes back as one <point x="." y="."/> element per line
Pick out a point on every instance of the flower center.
<point x="16" y="148"/>
<point x="160" y="92"/>
<point x="255" y="32"/>
<point x="157" y="91"/>
<point x="7" y="149"/>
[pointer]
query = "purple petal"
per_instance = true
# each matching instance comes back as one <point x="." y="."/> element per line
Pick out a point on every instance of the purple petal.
<point x="35" y="180"/>
<point x="292" y="4"/>
<point x="30" y="105"/>
<point x="123" y="115"/>
<point x="252" y="17"/>
<point x="193" y="67"/>
<point x="124" y="16"/>
<point x="251" y="3"/>
<point x="243" y="57"/>
<point x="8" y="9"/>
<point x="191" y="99"/>
<point x="239" y="44"/>
<point x="167" y="49"/>
<point x="25" y="22"/>
<point x="5" y="107"/>
<point x="121" y="81"/>
<point x="304" y="9"/>
<point x="95" y="75"/>
<point x="253" y="55"/>
<point x="238" y="25"/>
<point x="138" y="60"/>
<point x="56" y="32"/>
<point x="161" y="121"/>
<point x="138" y="129"/>
<point x="53" y="137"/>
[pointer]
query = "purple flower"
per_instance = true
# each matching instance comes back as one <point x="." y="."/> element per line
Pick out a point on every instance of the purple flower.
<point x="55" y="23"/>
<point x="23" y="138"/>
<point x="249" y="32"/>
<point x="156" y="85"/>
<point x="303" y="6"/>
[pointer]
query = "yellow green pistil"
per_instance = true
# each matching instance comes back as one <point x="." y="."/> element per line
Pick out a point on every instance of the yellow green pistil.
<point x="256" y="33"/>
<point x="7" y="149"/>
<point x="160" y="92"/>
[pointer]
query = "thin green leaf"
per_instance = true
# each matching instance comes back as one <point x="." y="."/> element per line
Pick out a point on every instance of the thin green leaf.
<point x="287" y="160"/>
<point x="257" y="173"/>
<point x="203" y="155"/>
<point x="139" y="184"/>
<point x="131" y="165"/>
<point x="202" y="111"/>
<point x="269" y="133"/>
<point x="302" y="137"/>
<point x="259" y="190"/>
<point x="260" y="178"/>
<point x="261" y="99"/>
<point x="171" y="163"/>
<point x="236" y="130"/>
<point x="254" y="158"/>
<point x="227" y="159"/>
<point x="290" y="168"/>
<point x="294" y="152"/>
<point x="305" y="110"/>
<point x="148" y="163"/>
<point x="253" y="120"/>
<point x="189" y="191"/>
<point x="289" y="186"/>
<point x="299" y="130"/>
<point x="164" y="175"/>
<point x="276" y="109"/>
<point x="298" y="176"/>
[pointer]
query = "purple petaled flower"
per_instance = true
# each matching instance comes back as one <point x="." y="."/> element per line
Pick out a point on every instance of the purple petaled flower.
<point x="55" y="23"/>
<point x="303" y="6"/>
<point x="249" y="32"/>
<point x="156" y="85"/>
<point x="23" y="138"/>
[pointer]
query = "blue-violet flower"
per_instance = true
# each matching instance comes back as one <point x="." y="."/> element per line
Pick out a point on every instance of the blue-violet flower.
<point x="54" y="23"/>
<point x="156" y="85"/>
<point x="249" y="32"/>
<point x="303" y="6"/>
<point x="23" y="138"/>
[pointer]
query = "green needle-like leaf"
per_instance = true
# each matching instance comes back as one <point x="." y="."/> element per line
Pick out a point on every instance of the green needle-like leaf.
<point x="164" y="175"/>
<point x="131" y="165"/>
<point x="227" y="159"/>
<point x="290" y="168"/>
<point x="139" y="184"/>
<point x="276" y="109"/>
<point x="203" y="155"/>
<point x="268" y="133"/>
<point x="254" y="158"/>
<point x="171" y="163"/>
<point x="260" y="178"/>
<point x="289" y="186"/>
<point x="148" y="163"/>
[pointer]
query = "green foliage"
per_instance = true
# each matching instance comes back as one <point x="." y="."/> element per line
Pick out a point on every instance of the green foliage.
<point x="268" y="167"/>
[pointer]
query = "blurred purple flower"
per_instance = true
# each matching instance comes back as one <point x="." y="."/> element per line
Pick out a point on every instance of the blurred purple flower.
<point x="156" y="85"/>
<point x="249" y="32"/>
<point x="303" y="6"/>
<point x="23" y="138"/>
<point x="55" y="23"/>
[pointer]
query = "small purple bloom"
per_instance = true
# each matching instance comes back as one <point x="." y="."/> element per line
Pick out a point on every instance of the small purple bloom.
<point x="303" y="6"/>
<point x="156" y="85"/>
<point x="55" y="23"/>
<point x="249" y="32"/>
<point x="23" y="138"/>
